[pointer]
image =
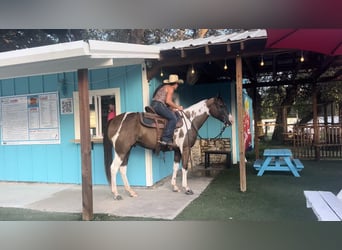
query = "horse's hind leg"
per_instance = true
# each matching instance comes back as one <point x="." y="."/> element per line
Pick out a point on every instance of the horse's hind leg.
<point x="114" y="170"/>
<point x="116" y="165"/>
<point x="176" y="161"/>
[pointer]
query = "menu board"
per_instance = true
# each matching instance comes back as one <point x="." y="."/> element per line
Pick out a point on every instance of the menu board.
<point x="30" y="119"/>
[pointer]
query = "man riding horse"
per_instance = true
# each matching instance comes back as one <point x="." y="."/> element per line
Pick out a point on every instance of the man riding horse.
<point x="128" y="130"/>
<point x="163" y="105"/>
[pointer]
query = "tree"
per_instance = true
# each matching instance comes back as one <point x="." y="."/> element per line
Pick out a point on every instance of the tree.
<point x="28" y="38"/>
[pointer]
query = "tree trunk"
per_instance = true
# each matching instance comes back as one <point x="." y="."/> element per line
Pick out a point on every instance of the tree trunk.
<point x="278" y="133"/>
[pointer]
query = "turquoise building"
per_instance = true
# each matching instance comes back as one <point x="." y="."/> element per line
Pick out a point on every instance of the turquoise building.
<point x="40" y="127"/>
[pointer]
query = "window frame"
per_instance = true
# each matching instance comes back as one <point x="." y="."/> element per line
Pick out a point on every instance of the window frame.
<point x="94" y="93"/>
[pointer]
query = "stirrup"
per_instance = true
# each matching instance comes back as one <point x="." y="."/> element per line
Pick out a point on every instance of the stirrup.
<point x="169" y="144"/>
<point x="149" y="109"/>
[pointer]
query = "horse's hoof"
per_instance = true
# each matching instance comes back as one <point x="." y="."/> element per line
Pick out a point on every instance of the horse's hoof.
<point x="133" y="195"/>
<point x="117" y="197"/>
<point x="189" y="192"/>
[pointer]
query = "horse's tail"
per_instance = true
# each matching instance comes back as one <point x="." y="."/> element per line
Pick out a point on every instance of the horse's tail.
<point x="108" y="152"/>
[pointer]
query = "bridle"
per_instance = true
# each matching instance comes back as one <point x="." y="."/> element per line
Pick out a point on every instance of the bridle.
<point x="184" y="117"/>
<point x="196" y="129"/>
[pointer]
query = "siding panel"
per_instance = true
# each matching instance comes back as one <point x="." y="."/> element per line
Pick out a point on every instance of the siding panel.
<point x="8" y="88"/>
<point x="50" y="83"/>
<point x="21" y="86"/>
<point x="39" y="159"/>
<point x="98" y="79"/>
<point x="24" y="162"/>
<point x="98" y="168"/>
<point x="9" y="164"/>
<point x="53" y="163"/>
<point x="36" y="84"/>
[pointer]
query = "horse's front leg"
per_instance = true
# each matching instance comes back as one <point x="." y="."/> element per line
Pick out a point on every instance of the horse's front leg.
<point x="185" y="181"/>
<point x="175" y="188"/>
<point x="123" y="172"/>
<point x="174" y="177"/>
<point x="185" y="160"/>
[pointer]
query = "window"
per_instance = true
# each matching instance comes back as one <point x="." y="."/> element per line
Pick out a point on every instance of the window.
<point x="99" y="101"/>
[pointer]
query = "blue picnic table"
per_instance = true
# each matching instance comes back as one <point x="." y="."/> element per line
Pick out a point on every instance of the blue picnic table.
<point x="278" y="160"/>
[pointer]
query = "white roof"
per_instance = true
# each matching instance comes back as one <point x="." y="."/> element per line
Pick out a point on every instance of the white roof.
<point x="66" y="57"/>
<point x="230" y="38"/>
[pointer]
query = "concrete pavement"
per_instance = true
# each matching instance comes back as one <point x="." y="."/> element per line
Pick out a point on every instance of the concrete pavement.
<point x="157" y="202"/>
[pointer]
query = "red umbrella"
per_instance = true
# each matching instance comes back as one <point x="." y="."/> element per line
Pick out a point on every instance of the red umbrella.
<point x="325" y="41"/>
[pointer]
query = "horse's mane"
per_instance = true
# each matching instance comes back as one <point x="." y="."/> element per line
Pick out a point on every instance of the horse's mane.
<point x="194" y="106"/>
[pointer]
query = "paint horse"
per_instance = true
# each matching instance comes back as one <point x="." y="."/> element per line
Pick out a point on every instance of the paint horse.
<point x="126" y="130"/>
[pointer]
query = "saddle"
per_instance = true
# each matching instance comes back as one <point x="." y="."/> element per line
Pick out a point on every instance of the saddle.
<point x="151" y="119"/>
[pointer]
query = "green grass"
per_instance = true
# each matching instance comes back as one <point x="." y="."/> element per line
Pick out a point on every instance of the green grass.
<point x="276" y="196"/>
<point x="23" y="214"/>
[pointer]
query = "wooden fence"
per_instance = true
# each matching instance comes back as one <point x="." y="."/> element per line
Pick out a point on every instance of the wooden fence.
<point x="328" y="145"/>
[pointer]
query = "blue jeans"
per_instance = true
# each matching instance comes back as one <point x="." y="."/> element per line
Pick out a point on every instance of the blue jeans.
<point x="162" y="110"/>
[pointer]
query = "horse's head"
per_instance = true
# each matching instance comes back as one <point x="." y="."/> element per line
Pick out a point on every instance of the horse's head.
<point x="218" y="110"/>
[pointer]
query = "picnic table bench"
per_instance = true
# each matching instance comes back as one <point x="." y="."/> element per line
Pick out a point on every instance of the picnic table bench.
<point x="325" y="205"/>
<point x="278" y="160"/>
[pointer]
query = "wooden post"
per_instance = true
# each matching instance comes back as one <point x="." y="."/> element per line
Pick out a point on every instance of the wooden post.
<point x="240" y="109"/>
<point x="87" y="186"/>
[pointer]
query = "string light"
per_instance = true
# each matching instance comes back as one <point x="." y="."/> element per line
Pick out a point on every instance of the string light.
<point x="225" y="65"/>
<point x="192" y="69"/>
<point x="161" y="72"/>
<point x="262" y="61"/>
<point x="301" y="57"/>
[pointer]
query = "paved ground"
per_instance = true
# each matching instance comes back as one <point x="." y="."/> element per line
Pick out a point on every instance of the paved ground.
<point x="154" y="202"/>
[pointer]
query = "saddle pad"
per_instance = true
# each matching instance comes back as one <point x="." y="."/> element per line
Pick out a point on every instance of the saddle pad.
<point x="152" y="120"/>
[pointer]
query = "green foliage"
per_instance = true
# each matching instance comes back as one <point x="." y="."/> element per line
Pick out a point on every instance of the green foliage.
<point x="332" y="92"/>
<point x="28" y="38"/>
<point x="271" y="99"/>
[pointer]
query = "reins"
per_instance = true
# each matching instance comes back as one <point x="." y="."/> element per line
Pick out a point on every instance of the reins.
<point x="183" y="115"/>
<point x="196" y="129"/>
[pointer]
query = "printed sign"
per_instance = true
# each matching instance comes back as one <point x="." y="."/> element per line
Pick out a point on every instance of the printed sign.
<point x="30" y="119"/>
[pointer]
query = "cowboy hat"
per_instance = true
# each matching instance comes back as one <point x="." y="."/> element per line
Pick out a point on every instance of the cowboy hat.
<point x="172" y="79"/>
